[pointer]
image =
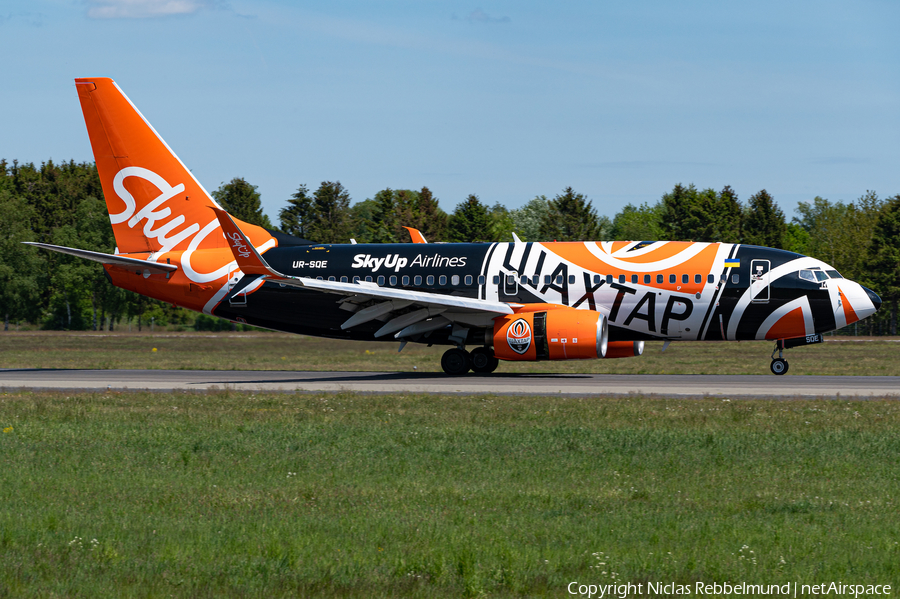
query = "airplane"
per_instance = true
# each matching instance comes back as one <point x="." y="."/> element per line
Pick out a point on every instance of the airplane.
<point x="513" y="301"/>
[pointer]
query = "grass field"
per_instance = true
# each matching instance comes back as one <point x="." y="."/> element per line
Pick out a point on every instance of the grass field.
<point x="243" y="495"/>
<point x="274" y="351"/>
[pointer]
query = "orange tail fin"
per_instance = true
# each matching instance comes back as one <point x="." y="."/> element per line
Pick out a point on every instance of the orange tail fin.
<point x="155" y="204"/>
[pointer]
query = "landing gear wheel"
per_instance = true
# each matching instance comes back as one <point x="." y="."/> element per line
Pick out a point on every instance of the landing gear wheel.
<point x="483" y="361"/>
<point x="455" y="361"/>
<point x="779" y="366"/>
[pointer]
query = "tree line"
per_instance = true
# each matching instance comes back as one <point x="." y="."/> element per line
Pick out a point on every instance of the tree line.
<point x="63" y="204"/>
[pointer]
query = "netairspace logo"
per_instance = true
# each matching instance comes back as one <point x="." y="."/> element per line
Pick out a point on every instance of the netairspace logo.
<point x="716" y="589"/>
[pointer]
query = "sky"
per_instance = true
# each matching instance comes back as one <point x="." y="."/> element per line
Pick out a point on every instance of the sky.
<point x="504" y="99"/>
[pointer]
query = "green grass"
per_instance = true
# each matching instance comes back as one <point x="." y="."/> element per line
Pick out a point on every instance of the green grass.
<point x="274" y="351"/>
<point x="250" y="495"/>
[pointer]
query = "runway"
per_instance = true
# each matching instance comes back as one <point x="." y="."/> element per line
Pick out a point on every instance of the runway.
<point x="412" y="382"/>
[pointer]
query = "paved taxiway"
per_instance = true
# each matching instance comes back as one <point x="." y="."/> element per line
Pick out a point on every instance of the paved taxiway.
<point x="509" y="384"/>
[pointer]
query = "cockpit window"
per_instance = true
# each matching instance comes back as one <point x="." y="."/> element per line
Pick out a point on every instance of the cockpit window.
<point x="834" y="274"/>
<point x="807" y="275"/>
<point x="821" y="276"/>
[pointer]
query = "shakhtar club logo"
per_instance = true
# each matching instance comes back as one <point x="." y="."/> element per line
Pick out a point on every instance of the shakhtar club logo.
<point x="518" y="336"/>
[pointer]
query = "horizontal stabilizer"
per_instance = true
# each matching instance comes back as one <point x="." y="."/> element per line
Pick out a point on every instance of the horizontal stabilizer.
<point x="111" y="259"/>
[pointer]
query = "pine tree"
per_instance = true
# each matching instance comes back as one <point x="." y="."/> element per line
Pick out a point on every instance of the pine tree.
<point x="331" y="214"/>
<point x="764" y="222"/>
<point x="571" y="217"/>
<point x="429" y="219"/>
<point x="242" y="201"/>
<point x="470" y="221"/>
<point x="728" y="216"/>
<point x="296" y="218"/>
<point x="677" y="213"/>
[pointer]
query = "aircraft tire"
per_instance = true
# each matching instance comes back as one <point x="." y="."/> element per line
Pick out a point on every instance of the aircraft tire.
<point x="779" y="366"/>
<point x="455" y="362"/>
<point x="483" y="361"/>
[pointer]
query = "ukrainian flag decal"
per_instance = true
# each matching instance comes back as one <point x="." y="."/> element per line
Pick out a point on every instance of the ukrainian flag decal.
<point x="732" y="263"/>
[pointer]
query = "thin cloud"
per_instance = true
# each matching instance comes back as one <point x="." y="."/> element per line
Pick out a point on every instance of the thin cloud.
<point x="840" y="160"/>
<point x="28" y="18"/>
<point x="143" y="9"/>
<point x="479" y="16"/>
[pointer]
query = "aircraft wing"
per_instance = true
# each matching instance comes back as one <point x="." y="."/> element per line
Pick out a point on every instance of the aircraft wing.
<point x="113" y="259"/>
<point x="408" y="313"/>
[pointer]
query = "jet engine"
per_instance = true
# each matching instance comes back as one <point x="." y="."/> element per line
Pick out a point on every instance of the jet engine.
<point x="555" y="334"/>
<point x="624" y="349"/>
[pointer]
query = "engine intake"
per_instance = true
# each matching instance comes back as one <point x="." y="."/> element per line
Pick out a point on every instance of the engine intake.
<point x="555" y="334"/>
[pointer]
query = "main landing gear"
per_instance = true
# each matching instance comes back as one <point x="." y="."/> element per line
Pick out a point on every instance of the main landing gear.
<point x="456" y="361"/>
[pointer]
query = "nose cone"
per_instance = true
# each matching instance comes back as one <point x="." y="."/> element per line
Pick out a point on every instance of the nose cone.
<point x="873" y="297"/>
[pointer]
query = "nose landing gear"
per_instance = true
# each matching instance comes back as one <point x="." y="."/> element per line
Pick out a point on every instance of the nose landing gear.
<point x="779" y="365"/>
<point x="456" y="361"/>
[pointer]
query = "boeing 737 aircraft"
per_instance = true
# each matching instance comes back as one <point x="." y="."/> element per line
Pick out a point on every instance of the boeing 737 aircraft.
<point x="503" y="301"/>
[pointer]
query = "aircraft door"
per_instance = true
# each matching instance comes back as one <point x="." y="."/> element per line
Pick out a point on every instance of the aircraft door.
<point x="510" y="284"/>
<point x="759" y="281"/>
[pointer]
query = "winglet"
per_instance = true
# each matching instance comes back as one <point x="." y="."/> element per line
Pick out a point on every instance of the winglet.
<point x="416" y="235"/>
<point x="248" y="259"/>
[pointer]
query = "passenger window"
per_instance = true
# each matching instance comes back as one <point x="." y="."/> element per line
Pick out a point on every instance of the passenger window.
<point x="523" y="280"/>
<point x="671" y="278"/>
<point x="659" y="278"/>
<point x="621" y="278"/>
<point x="834" y="274"/>
<point x="331" y="278"/>
<point x="646" y="279"/>
<point x="634" y="278"/>
<point x="698" y="278"/>
<point x="417" y="280"/>
<point x="429" y="280"/>
<point x="723" y="277"/>
<point x="496" y="279"/>
<point x="393" y="280"/>
<point x="356" y="279"/>
<point x="571" y="279"/>
<point x="684" y="279"/>
<point x="405" y="280"/>
<point x="559" y="279"/>
<point x="442" y="280"/>
<point x="596" y="279"/>
<point x="319" y="279"/>
<point x="381" y="280"/>
<point x="468" y="280"/>
<point x="547" y="279"/>
<point x="710" y="279"/>
<point x="735" y="278"/>
<point x="454" y="280"/>
<point x="368" y="279"/>
<point x="535" y="280"/>
<point x="343" y="279"/>
<point x="609" y="279"/>
<point x="481" y="279"/>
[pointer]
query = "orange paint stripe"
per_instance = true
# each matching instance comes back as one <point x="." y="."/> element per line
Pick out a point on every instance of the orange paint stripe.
<point x="849" y="313"/>
<point x="701" y="264"/>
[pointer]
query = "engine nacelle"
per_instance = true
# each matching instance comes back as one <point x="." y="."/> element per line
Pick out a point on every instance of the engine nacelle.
<point x="624" y="349"/>
<point x="554" y="334"/>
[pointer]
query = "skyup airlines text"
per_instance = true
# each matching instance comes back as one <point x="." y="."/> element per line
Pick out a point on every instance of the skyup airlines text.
<point x="395" y="262"/>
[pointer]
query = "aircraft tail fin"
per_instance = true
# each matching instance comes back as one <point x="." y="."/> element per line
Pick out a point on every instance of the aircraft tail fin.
<point x="155" y="204"/>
